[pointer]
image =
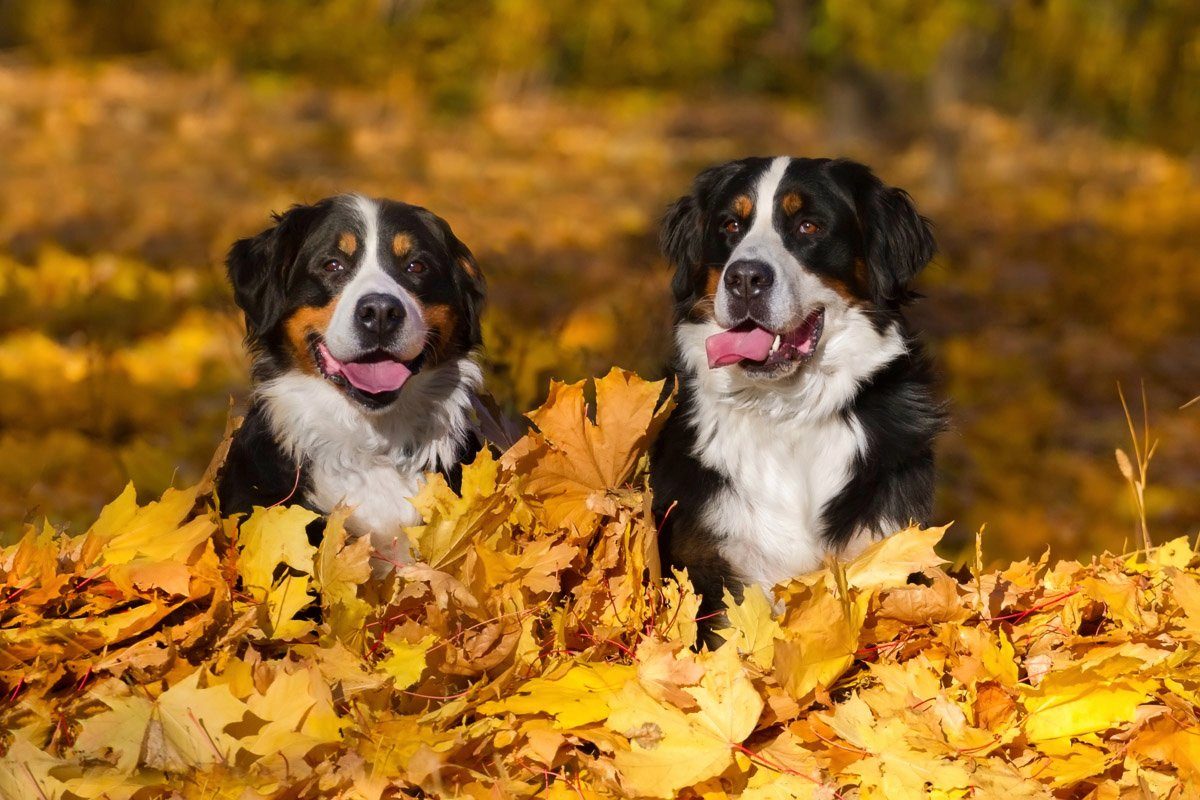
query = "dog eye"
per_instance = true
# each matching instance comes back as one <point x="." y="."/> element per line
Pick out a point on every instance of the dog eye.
<point x="731" y="226"/>
<point x="808" y="228"/>
<point x="415" y="267"/>
<point x="333" y="265"/>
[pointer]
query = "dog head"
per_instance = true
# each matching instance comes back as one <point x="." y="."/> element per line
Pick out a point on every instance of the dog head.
<point x="362" y="293"/>
<point x="777" y="254"/>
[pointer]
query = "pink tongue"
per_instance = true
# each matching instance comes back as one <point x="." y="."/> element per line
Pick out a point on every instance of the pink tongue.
<point x="376" y="376"/>
<point x="730" y="347"/>
<point x="371" y="377"/>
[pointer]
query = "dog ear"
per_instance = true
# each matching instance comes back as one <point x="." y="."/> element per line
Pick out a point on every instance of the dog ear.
<point x="682" y="233"/>
<point x="897" y="240"/>
<point x="899" y="244"/>
<point x="680" y="241"/>
<point x="475" y="285"/>
<point x="259" y="266"/>
<point x="467" y="274"/>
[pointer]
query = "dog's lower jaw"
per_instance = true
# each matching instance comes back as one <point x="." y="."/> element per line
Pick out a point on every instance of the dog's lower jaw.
<point x="373" y="463"/>
<point x="850" y="352"/>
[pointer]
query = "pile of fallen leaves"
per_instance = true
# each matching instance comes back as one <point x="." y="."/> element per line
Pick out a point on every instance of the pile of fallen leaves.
<point x="537" y="650"/>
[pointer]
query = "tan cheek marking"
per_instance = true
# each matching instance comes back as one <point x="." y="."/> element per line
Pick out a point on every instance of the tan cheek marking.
<point x="442" y="320"/>
<point x="347" y="242"/>
<point x="743" y="206"/>
<point x="712" y="281"/>
<point x="705" y="307"/>
<point x="860" y="275"/>
<point x="843" y="290"/>
<point x="791" y="203"/>
<point x="302" y="323"/>
<point x="402" y="244"/>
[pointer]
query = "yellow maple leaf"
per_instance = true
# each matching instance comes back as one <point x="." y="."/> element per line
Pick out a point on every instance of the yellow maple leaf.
<point x="890" y="767"/>
<point x="677" y="621"/>
<point x="1177" y="553"/>
<point x="585" y="461"/>
<point x="143" y="574"/>
<point x="117" y="515"/>
<point x="156" y="531"/>
<point x="820" y="640"/>
<point x="888" y="562"/>
<point x="1168" y="741"/>
<point x="342" y="564"/>
<point x="1076" y="701"/>
<point x="284" y="600"/>
<point x="1185" y="590"/>
<point x="756" y="626"/>
<point x="405" y="660"/>
<point x="269" y="538"/>
<point x="1120" y="593"/>
<point x="668" y="748"/>
<point x="925" y="605"/>
<point x="1067" y="761"/>
<point x="452" y="520"/>
<point x="985" y="657"/>
<point x="298" y="713"/>
<point x="574" y="696"/>
<point x="184" y="727"/>
<point x="25" y="771"/>
<point x="663" y="670"/>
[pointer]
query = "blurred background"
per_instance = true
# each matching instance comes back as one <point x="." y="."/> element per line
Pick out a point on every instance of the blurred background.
<point x="1053" y="142"/>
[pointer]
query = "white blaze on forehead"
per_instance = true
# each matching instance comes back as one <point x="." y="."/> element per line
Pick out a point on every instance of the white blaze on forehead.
<point x="762" y="241"/>
<point x="370" y="277"/>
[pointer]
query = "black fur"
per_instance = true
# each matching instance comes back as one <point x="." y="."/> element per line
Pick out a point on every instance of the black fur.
<point x="257" y="471"/>
<point x="897" y="241"/>
<point x="874" y="244"/>
<point x="901" y="416"/>
<point x="680" y="484"/>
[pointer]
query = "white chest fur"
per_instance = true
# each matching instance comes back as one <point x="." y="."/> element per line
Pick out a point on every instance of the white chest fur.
<point x="373" y="463"/>
<point x="784" y="450"/>
<point x="779" y="482"/>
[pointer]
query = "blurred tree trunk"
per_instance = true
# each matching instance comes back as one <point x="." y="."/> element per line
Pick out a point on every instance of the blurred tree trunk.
<point x="968" y="67"/>
<point x="946" y="95"/>
<point x="857" y="106"/>
<point x="788" y="37"/>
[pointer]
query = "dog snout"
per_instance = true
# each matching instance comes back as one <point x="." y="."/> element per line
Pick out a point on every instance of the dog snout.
<point x="379" y="316"/>
<point x="748" y="279"/>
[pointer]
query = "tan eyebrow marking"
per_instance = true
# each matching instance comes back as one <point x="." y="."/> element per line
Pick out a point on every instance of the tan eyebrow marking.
<point x="347" y="242"/>
<point x="402" y="243"/>
<point x="791" y="203"/>
<point x="743" y="206"/>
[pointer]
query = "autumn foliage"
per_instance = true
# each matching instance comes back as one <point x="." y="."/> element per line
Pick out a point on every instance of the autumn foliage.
<point x="537" y="650"/>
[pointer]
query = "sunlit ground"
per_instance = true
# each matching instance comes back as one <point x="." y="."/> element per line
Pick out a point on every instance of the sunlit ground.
<point x="1068" y="265"/>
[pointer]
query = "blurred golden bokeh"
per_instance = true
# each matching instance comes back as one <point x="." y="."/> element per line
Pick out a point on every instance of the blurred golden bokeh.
<point x="1053" y="148"/>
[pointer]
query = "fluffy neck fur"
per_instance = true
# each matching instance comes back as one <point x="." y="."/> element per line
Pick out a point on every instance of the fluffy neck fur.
<point x="373" y="462"/>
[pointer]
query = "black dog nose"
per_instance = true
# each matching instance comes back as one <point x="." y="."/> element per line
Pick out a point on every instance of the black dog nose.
<point x="381" y="314"/>
<point x="747" y="279"/>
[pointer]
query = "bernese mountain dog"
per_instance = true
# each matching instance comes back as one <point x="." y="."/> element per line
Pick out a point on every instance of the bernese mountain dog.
<point x="362" y="322"/>
<point x="806" y="409"/>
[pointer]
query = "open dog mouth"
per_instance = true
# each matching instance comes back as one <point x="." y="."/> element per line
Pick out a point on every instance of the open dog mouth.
<point x="757" y="348"/>
<point x="374" y="378"/>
